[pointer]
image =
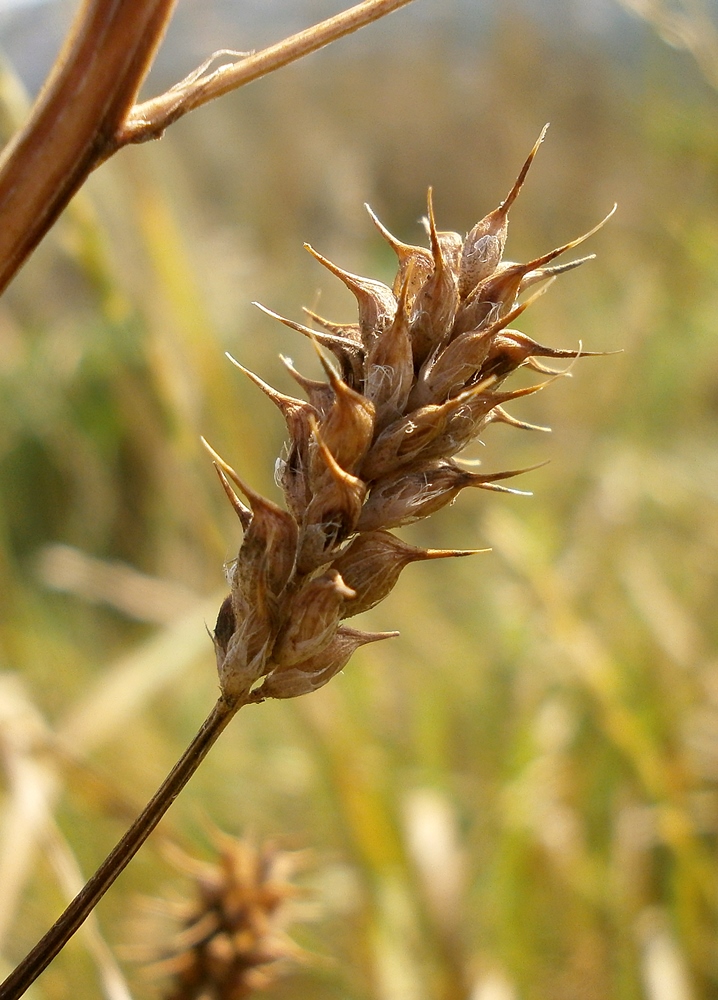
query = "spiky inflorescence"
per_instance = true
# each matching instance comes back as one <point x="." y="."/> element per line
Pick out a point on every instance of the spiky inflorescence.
<point x="231" y="939"/>
<point x="418" y="378"/>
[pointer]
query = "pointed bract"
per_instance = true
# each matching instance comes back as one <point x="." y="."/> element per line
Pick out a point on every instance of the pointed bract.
<point x="435" y="304"/>
<point x="348" y="353"/>
<point x="348" y="425"/>
<point x="376" y="301"/>
<point x="312" y="618"/>
<point x="484" y="245"/>
<point x="417" y="259"/>
<point x="318" y="670"/>
<point x="390" y="365"/>
<point x="372" y="563"/>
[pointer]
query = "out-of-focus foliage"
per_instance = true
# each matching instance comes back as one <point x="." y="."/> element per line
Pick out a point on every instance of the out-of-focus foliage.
<point x="518" y="797"/>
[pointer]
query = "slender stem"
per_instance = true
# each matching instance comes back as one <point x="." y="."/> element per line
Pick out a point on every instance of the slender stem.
<point x="82" y="905"/>
<point x="149" y="119"/>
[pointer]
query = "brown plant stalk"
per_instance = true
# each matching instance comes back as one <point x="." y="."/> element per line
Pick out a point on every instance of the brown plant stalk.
<point x="86" y="112"/>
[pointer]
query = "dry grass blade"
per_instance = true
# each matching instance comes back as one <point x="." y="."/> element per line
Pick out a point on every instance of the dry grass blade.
<point x="685" y="24"/>
<point x="33" y="786"/>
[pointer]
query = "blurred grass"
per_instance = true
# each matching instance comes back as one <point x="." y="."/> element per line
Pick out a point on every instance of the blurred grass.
<point x="517" y="798"/>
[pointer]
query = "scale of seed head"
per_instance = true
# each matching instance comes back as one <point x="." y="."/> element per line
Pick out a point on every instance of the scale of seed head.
<point x="416" y="379"/>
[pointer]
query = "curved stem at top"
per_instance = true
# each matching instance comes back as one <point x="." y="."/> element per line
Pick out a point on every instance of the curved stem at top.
<point x="86" y="98"/>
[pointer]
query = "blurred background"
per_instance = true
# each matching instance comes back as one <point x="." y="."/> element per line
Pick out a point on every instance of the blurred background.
<point x="518" y="798"/>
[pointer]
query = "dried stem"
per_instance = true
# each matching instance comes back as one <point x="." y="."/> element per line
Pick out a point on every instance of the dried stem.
<point x="82" y="905"/>
<point x="85" y="111"/>
<point x="86" y="98"/>
<point x="150" y="119"/>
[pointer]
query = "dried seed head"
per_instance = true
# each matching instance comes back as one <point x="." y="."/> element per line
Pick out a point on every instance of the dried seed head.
<point x="244" y="658"/>
<point x="332" y="513"/>
<point x="433" y="431"/>
<point x="420" y="377"/>
<point x="320" y="394"/>
<point x="266" y="558"/>
<point x="411" y="496"/>
<point x="390" y="365"/>
<point x="242" y="511"/>
<point x="348" y="425"/>
<point x="452" y="246"/>
<point x="545" y="273"/>
<point x="454" y="369"/>
<point x="499" y="416"/>
<point x="348" y="331"/>
<point x="230" y="940"/>
<point x="296" y="412"/>
<point x="416" y="263"/>
<point x="496" y="294"/>
<point x="346" y="350"/>
<point x="225" y="626"/>
<point x="264" y="564"/>
<point x="511" y="349"/>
